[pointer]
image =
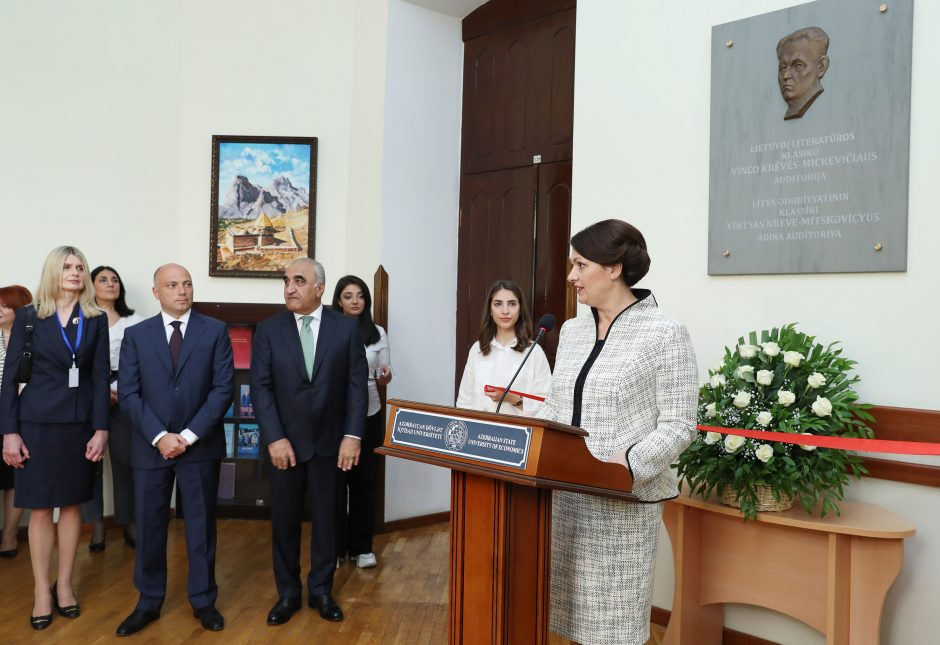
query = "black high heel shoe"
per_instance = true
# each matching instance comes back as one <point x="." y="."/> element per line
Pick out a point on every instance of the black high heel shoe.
<point x="40" y="622"/>
<point x="129" y="539"/>
<point x="98" y="547"/>
<point x="72" y="611"/>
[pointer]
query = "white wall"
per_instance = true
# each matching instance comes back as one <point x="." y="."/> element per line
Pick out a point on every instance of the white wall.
<point x="89" y="128"/>
<point x="419" y="229"/>
<point x="646" y="66"/>
<point x="108" y="109"/>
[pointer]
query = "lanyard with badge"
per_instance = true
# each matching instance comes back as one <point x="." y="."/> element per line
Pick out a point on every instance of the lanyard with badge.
<point x="73" y="371"/>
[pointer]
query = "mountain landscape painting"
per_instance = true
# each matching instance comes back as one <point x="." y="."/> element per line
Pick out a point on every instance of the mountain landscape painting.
<point x="263" y="204"/>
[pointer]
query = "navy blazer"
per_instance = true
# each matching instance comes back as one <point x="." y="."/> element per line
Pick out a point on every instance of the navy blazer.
<point x="195" y="396"/>
<point x="313" y="413"/>
<point x="48" y="398"/>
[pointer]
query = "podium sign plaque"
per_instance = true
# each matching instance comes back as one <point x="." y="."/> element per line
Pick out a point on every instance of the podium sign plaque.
<point x="486" y="441"/>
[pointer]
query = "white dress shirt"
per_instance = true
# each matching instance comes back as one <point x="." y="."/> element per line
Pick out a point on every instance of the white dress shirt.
<point x="315" y="329"/>
<point x="496" y="369"/>
<point x="186" y="434"/>
<point x="378" y="356"/>
<point x="116" y="336"/>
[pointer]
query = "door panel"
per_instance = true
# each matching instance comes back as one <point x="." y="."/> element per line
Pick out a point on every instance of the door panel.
<point x="497" y="219"/>
<point x="519" y="95"/>
<point x="553" y="217"/>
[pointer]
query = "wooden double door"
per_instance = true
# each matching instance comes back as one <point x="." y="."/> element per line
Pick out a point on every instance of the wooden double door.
<point x="516" y="144"/>
<point x="513" y="226"/>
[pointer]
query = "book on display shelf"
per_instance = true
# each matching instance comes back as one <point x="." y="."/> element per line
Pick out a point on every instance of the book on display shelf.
<point x="249" y="439"/>
<point x="245" y="409"/>
<point x="241" y="346"/>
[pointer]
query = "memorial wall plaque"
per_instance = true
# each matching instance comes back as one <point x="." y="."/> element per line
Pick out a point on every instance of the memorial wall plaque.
<point x="810" y="139"/>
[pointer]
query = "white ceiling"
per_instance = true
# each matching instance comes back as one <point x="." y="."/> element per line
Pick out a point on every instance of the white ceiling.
<point x="457" y="8"/>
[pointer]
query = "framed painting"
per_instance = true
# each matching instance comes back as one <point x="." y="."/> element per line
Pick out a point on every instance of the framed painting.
<point x="263" y="205"/>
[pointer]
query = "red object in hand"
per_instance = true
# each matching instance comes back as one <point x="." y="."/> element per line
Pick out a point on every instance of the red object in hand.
<point x="493" y="388"/>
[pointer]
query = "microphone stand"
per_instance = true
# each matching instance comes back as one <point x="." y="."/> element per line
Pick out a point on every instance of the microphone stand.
<point x="535" y="342"/>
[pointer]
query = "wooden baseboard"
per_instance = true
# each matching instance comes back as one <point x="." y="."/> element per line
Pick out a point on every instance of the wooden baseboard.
<point x="660" y="617"/>
<point x="414" y="522"/>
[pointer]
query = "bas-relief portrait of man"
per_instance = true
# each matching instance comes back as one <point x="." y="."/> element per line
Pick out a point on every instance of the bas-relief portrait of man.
<point x="802" y="61"/>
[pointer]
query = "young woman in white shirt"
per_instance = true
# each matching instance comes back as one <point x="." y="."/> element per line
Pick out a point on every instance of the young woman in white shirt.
<point x="355" y="489"/>
<point x="505" y="336"/>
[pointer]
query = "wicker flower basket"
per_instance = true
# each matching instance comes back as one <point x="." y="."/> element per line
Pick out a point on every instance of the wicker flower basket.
<point x="765" y="499"/>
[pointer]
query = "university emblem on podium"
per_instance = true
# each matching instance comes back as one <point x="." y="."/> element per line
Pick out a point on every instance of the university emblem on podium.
<point x="456" y="435"/>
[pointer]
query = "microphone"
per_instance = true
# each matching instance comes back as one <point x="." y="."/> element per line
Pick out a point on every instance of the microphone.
<point x="546" y="324"/>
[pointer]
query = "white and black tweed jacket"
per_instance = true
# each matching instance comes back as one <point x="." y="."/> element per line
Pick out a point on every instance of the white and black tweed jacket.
<point x="640" y="393"/>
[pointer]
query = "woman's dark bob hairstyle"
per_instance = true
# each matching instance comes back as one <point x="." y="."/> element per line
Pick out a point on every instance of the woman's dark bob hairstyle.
<point x="611" y="242"/>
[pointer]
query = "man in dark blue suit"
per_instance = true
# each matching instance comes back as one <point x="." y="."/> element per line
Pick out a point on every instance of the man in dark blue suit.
<point x="308" y="384"/>
<point x="176" y="381"/>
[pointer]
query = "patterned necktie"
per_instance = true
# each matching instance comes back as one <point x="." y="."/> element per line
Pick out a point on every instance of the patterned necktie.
<point x="176" y="342"/>
<point x="306" y="343"/>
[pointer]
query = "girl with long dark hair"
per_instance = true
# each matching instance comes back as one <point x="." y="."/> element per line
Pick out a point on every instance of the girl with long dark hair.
<point x="505" y="336"/>
<point x="355" y="489"/>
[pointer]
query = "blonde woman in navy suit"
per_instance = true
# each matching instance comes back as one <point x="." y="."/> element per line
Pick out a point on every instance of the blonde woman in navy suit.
<point x="56" y="430"/>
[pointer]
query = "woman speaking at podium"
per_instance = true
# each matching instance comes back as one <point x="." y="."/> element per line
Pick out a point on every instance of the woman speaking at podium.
<point x="626" y="374"/>
<point x="505" y="335"/>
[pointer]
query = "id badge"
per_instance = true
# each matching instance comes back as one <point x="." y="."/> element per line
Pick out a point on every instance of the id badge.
<point x="73" y="376"/>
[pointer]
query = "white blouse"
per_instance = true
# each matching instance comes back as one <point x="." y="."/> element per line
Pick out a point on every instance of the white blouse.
<point x="378" y="355"/>
<point x="116" y="336"/>
<point x="496" y="369"/>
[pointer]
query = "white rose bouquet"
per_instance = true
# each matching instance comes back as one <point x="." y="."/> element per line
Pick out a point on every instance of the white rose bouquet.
<point x="777" y="380"/>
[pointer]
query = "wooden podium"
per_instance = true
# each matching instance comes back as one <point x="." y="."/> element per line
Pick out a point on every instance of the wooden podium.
<point x="501" y="512"/>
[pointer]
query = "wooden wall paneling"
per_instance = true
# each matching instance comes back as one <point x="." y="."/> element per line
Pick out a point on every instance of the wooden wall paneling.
<point x="904" y="424"/>
<point x="497" y="212"/>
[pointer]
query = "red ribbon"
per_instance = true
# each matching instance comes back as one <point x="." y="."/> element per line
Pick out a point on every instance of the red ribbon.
<point x="493" y="388"/>
<point x="840" y="443"/>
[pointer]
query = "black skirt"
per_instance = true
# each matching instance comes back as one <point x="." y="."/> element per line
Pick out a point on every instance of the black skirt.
<point x="56" y="473"/>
